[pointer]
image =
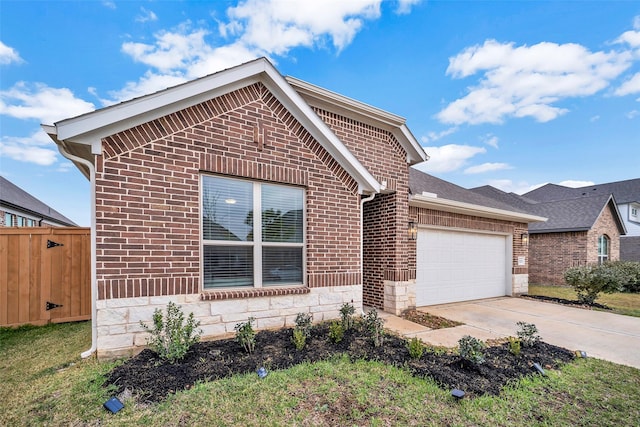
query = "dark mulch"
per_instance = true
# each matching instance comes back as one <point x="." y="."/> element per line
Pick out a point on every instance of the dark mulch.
<point x="151" y="379"/>
<point x="573" y="303"/>
<point x="429" y="320"/>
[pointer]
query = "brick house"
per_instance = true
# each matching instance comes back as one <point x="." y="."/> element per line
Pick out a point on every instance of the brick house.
<point x="177" y="175"/>
<point x="579" y="230"/>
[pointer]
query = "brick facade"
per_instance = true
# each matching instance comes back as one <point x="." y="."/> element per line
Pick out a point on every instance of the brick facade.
<point x="630" y="248"/>
<point x="553" y="253"/>
<point x="388" y="254"/>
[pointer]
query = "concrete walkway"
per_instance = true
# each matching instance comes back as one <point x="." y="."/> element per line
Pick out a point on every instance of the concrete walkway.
<point x="603" y="335"/>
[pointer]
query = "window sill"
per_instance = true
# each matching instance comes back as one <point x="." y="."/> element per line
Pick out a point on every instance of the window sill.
<point x="222" y="294"/>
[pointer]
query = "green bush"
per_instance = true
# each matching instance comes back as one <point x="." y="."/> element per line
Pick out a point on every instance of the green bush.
<point x="171" y="337"/>
<point x="589" y="281"/>
<point x="374" y="326"/>
<point x="629" y="272"/>
<point x="415" y="347"/>
<point x="299" y="339"/>
<point x="471" y="350"/>
<point x="346" y="312"/>
<point x="514" y="346"/>
<point x="336" y="332"/>
<point x="528" y="334"/>
<point x="246" y="336"/>
<point x="303" y="323"/>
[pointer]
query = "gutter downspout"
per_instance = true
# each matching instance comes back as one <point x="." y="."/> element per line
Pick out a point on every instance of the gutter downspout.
<point x="362" y="202"/>
<point x="94" y="290"/>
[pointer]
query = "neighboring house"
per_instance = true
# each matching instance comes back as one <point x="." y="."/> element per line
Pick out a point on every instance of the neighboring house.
<point x="627" y="196"/>
<point x="177" y="177"/>
<point x="579" y="231"/>
<point x="20" y="209"/>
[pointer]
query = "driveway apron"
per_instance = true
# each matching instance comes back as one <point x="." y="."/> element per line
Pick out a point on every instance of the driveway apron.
<point x="603" y="335"/>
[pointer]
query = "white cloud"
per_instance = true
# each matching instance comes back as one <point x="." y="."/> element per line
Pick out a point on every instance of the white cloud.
<point x="526" y="81"/>
<point x="633" y="114"/>
<point x="594" y="118"/>
<point x="448" y="158"/>
<point x="487" y="167"/>
<point x="630" y="86"/>
<point x="41" y="102"/>
<point x="491" y="140"/>
<point x="146" y="16"/>
<point x="509" y="186"/>
<point x="149" y="83"/>
<point x="9" y="55"/>
<point x="32" y="149"/>
<point x="434" y="136"/>
<point x="404" y="6"/>
<point x="574" y="183"/>
<point x="109" y="4"/>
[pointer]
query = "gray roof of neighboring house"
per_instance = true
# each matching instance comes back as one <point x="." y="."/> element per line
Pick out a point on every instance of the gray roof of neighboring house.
<point x="420" y="182"/>
<point x="16" y="198"/>
<point x="511" y="199"/>
<point x="623" y="191"/>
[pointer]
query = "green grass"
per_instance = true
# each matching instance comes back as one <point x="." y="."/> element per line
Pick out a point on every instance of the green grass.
<point x="620" y="303"/>
<point x="45" y="383"/>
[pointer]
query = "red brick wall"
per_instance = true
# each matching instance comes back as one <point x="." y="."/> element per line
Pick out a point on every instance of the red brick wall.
<point x="553" y="253"/>
<point x="147" y="192"/>
<point x="387" y="252"/>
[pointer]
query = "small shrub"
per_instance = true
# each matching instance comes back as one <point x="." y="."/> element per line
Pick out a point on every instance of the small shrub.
<point x="374" y="326"/>
<point x="589" y="281"/>
<point x="246" y="336"/>
<point x="299" y="338"/>
<point x="171" y="337"/>
<point x="336" y="332"/>
<point x="303" y="323"/>
<point x="528" y="334"/>
<point x="415" y="347"/>
<point x="629" y="273"/>
<point x="514" y="346"/>
<point x="347" y="311"/>
<point x="471" y="350"/>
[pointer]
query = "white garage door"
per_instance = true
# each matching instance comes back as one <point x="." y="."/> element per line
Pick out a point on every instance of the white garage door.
<point x="459" y="266"/>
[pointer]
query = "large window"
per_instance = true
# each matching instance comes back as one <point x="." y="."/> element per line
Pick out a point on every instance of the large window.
<point x="603" y="249"/>
<point x="241" y="252"/>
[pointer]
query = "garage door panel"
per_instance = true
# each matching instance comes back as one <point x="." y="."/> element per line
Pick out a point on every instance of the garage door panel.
<point x="459" y="266"/>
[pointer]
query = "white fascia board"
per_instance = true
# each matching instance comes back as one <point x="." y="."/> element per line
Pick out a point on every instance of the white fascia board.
<point x="453" y="206"/>
<point x="348" y="107"/>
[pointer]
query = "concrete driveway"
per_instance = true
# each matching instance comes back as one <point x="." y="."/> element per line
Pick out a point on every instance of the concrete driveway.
<point x="603" y="335"/>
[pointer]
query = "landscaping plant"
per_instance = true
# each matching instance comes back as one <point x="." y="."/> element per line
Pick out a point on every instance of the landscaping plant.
<point x="589" y="281"/>
<point x="415" y="347"/>
<point x="528" y="334"/>
<point x="246" y="336"/>
<point x="302" y="330"/>
<point x="514" y="346"/>
<point x="170" y="337"/>
<point x="346" y="312"/>
<point x="336" y="332"/>
<point x="471" y="350"/>
<point x="629" y="272"/>
<point x="374" y="326"/>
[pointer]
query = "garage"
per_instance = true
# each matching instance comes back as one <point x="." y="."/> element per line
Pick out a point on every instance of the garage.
<point x="460" y="266"/>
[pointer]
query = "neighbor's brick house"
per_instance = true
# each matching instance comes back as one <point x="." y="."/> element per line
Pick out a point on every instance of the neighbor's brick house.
<point x="177" y="176"/>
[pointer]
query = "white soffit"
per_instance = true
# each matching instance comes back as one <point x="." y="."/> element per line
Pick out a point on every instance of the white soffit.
<point x="348" y="107"/>
<point x="453" y="206"/>
<point x="91" y="127"/>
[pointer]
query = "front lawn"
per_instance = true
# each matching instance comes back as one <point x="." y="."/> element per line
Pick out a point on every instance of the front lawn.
<point x="45" y="383"/>
<point x="619" y="303"/>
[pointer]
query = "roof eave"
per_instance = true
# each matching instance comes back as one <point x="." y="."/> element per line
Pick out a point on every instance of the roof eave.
<point x="454" y="206"/>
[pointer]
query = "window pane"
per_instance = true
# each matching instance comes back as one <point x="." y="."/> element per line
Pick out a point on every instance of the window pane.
<point x="281" y="214"/>
<point x="227" y="209"/>
<point x="281" y="266"/>
<point x="226" y="266"/>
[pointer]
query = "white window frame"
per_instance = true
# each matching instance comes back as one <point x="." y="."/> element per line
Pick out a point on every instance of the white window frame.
<point x="603" y="257"/>
<point x="634" y="216"/>
<point x="257" y="242"/>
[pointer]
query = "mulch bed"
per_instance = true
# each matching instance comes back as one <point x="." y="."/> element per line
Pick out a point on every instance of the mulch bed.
<point x="429" y="320"/>
<point x="151" y="379"/>
<point x="573" y="303"/>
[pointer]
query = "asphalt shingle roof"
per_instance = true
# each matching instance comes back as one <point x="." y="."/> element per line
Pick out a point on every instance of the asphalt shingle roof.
<point x="578" y="214"/>
<point x="13" y="196"/>
<point x="623" y="191"/>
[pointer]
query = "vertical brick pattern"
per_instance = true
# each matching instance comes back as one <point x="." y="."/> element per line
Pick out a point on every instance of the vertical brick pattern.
<point x="388" y="254"/>
<point x="147" y="188"/>
<point x="553" y="253"/>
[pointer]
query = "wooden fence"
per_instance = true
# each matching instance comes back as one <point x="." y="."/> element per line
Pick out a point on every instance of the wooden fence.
<point x="45" y="275"/>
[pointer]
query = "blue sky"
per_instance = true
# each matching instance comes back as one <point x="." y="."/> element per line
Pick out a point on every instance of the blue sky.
<point x="512" y="94"/>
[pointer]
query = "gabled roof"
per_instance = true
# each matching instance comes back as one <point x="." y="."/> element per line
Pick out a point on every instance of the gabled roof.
<point x="80" y="133"/>
<point x="510" y="199"/>
<point x="578" y="214"/>
<point x="623" y="191"/>
<point x="16" y="198"/>
<point x="348" y="107"/>
<point x="434" y="193"/>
